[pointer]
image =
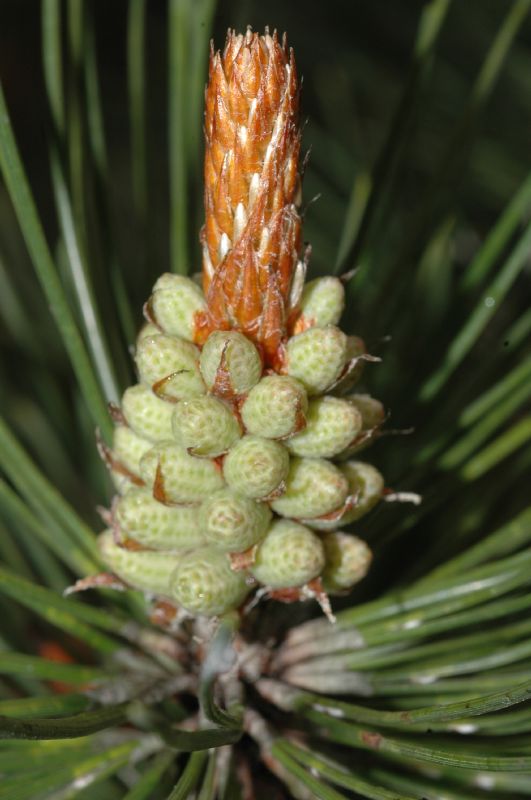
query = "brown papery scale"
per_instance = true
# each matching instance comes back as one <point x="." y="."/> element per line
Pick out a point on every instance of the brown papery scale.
<point x="252" y="233"/>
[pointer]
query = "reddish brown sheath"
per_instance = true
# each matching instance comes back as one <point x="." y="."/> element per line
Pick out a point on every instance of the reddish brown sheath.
<point x="252" y="233"/>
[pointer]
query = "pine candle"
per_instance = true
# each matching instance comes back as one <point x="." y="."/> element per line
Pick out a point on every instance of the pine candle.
<point x="230" y="456"/>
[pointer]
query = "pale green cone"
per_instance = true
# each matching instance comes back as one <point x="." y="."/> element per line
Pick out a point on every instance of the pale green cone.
<point x="372" y="411"/>
<point x="317" y="357"/>
<point x="205" y="426"/>
<point x="275" y="408"/>
<point x="366" y="482"/>
<point x="151" y="523"/>
<point x="355" y="347"/>
<point x="365" y="489"/>
<point x="322" y="301"/>
<point x="170" y="366"/>
<point x="185" y="478"/>
<point x="148" y="415"/>
<point x="232" y="522"/>
<point x="331" y="425"/>
<point x="128" y="450"/>
<point x="289" y="556"/>
<point x="175" y="303"/>
<point x="230" y="363"/>
<point x="256" y="467"/>
<point x="348" y="559"/>
<point x="373" y="416"/>
<point x="147" y="570"/>
<point x="314" y="487"/>
<point x="147" y="330"/>
<point x="204" y="583"/>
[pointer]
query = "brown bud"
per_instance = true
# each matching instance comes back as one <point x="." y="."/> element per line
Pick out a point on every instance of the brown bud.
<point x="251" y="236"/>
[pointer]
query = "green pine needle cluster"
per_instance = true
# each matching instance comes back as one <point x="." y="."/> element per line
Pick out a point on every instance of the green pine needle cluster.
<point x="420" y="155"/>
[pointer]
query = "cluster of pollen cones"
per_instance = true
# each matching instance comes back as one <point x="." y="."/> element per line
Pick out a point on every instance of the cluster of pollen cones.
<point x="234" y="457"/>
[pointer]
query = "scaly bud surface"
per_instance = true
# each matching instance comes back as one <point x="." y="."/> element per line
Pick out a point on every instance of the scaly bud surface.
<point x="148" y="415"/>
<point x="347" y="561"/>
<point x="322" y="303"/>
<point x="178" y="306"/>
<point x="205" y="426"/>
<point x="313" y="487"/>
<point x="177" y="477"/>
<point x="230" y="363"/>
<point x="317" y="357"/>
<point x="366" y="483"/>
<point x="373" y="417"/>
<point x="233" y="522"/>
<point x="276" y="407"/>
<point x="204" y="583"/>
<point x="251" y="237"/>
<point x="256" y="467"/>
<point x="128" y="450"/>
<point x="170" y="366"/>
<point x="290" y="555"/>
<point x="147" y="570"/>
<point x="331" y="424"/>
<point x="148" y="329"/>
<point x="141" y="517"/>
<point x="372" y="411"/>
<point x="354" y="364"/>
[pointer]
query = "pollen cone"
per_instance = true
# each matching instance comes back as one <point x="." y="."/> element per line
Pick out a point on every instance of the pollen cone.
<point x="252" y="233"/>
